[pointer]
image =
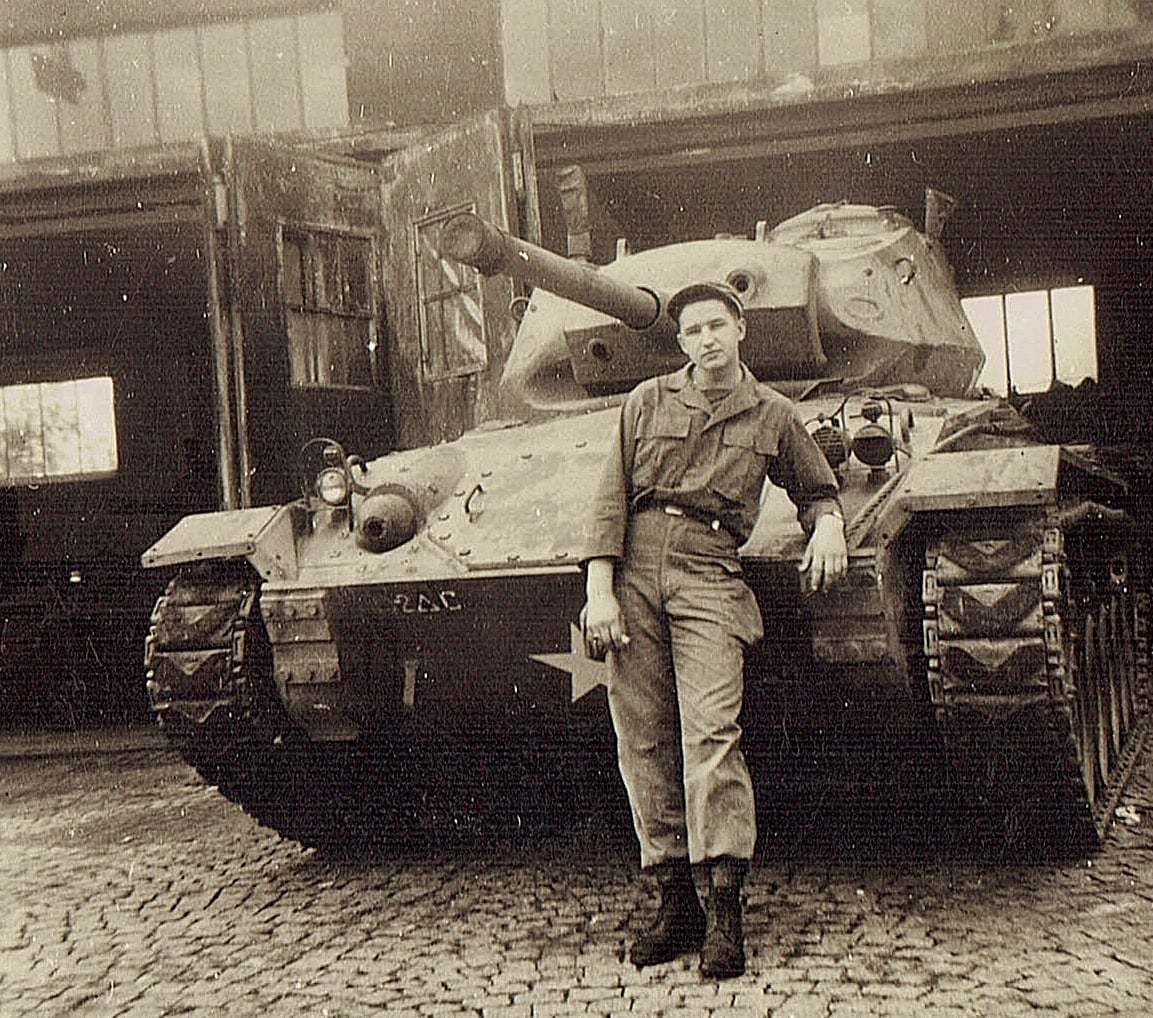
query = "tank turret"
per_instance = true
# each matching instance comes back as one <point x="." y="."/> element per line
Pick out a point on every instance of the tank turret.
<point x="849" y="294"/>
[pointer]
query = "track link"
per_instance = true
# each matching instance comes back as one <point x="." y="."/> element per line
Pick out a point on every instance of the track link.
<point x="209" y="677"/>
<point x="1036" y="640"/>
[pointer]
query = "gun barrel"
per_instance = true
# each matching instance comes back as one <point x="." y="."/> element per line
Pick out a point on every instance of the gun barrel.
<point x="469" y="239"/>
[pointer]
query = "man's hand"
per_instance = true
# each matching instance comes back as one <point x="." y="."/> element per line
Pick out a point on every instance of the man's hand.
<point x="826" y="557"/>
<point x="601" y="621"/>
<point x="603" y="627"/>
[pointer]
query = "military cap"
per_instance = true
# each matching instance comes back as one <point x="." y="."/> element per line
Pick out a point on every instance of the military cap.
<point x="707" y="290"/>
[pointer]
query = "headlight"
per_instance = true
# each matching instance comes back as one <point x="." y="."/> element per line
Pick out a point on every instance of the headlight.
<point x="873" y="445"/>
<point x="332" y="486"/>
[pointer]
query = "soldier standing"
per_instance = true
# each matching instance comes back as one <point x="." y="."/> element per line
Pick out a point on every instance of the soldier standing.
<point x="667" y="603"/>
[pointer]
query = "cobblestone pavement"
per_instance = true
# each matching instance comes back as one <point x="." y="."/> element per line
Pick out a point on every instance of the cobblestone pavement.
<point x="128" y="887"/>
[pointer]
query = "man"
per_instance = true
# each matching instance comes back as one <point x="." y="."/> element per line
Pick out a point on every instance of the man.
<point x="667" y="604"/>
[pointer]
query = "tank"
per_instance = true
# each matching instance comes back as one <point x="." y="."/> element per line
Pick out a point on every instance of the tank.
<point x="328" y="661"/>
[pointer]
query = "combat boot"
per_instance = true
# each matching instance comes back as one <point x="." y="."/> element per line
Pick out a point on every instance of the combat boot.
<point x="723" y="953"/>
<point x="679" y="927"/>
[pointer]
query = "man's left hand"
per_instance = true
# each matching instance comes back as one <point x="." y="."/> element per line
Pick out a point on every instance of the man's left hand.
<point x="826" y="558"/>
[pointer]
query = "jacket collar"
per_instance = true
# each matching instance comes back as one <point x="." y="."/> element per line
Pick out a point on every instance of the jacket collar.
<point x="743" y="397"/>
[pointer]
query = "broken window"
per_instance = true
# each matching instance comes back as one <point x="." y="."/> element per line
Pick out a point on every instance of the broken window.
<point x="326" y="282"/>
<point x="1035" y="337"/>
<point x="54" y="431"/>
<point x="452" y="334"/>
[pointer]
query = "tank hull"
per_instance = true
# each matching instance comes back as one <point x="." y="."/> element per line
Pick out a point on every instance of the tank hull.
<point x="997" y="579"/>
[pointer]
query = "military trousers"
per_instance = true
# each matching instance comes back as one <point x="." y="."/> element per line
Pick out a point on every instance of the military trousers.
<point x="675" y="690"/>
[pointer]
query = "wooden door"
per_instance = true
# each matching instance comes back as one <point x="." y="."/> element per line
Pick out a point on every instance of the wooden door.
<point x="450" y="330"/>
<point x="304" y="309"/>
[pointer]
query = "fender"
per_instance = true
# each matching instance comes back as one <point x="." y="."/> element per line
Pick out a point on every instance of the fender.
<point x="1026" y="478"/>
<point x="264" y="536"/>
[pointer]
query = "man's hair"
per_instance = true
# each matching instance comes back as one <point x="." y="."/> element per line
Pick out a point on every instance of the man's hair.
<point x="694" y="293"/>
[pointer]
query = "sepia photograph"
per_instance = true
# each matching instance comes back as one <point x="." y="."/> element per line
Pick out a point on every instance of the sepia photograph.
<point x="547" y="508"/>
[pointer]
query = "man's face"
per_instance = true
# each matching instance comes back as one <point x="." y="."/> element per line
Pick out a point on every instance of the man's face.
<point x="710" y="334"/>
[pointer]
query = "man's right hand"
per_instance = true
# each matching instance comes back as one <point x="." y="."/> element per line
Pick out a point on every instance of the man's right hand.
<point x="601" y="621"/>
<point x="603" y="627"/>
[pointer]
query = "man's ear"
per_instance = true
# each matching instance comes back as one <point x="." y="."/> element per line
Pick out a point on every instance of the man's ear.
<point x="681" y="343"/>
<point x="741" y="324"/>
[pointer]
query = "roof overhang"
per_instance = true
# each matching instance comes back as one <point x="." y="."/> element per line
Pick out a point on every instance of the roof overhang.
<point x="1018" y="86"/>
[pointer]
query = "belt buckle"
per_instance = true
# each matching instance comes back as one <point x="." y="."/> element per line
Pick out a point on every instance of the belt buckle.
<point x="675" y="510"/>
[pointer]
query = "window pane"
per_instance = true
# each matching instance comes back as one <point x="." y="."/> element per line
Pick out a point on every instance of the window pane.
<point x="96" y="407"/>
<point x="1030" y="355"/>
<point x="327" y="272"/>
<point x="986" y="317"/>
<point x="292" y="283"/>
<point x="1075" y="334"/>
<point x="22" y="429"/>
<point x="354" y="266"/>
<point x="341" y="352"/>
<point x="452" y="336"/>
<point x="326" y="350"/>
<point x="58" y="429"/>
<point x="463" y="334"/>
<point x="301" y="348"/>
<point x="330" y="335"/>
<point x="435" y="347"/>
<point x="62" y="439"/>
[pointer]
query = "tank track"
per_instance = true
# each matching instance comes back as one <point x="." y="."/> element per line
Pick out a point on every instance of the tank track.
<point x="1037" y="649"/>
<point x="206" y="635"/>
<point x="369" y="796"/>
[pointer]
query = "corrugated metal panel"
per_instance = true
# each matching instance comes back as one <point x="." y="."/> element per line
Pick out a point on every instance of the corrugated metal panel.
<point x="179" y="105"/>
<point x="7" y="138"/>
<point x="955" y="27"/>
<point x="678" y="29"/>
<point x="131" y="93"/>
<point x="275" y="78"/>
<point x="84" y="122"/>
<point x="575" y="47"/>
<point x="790" y="33"/>
<point x="524" y="40"/>
<point x="122" y="91"/>
<point x="630" y="57"/>
<point x="1077" y="16"/>
<point x="899" y="29"/>
<point x="34" y="113"/>
<point x="843" y="32"/>
<point x="790" y="36"/>
<point x="733" y="36"/>
<point x="1019" y="21"/>
<point x="619" y="47"/>
<point x="322" y="71"/>
<point x="227" y="92"/>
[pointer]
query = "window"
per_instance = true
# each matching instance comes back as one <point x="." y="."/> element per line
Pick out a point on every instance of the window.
<point x="58" y="430"/>
<point x="452" y="337"/>
<point x="1034" y="338"/>
<point x="326" y="284"/>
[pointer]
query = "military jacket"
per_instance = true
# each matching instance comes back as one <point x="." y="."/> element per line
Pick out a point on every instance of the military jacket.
<point x="673" y="446"/>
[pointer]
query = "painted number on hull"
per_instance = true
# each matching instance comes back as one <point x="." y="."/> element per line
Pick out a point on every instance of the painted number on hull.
<point x="426" y="603"/>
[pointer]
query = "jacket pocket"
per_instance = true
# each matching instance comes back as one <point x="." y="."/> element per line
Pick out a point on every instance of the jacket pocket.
<point x="744" y="458"/>
<point x="659" y="456"/>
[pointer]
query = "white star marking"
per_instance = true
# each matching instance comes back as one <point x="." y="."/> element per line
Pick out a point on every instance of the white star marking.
<point x="586" y="673"/>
